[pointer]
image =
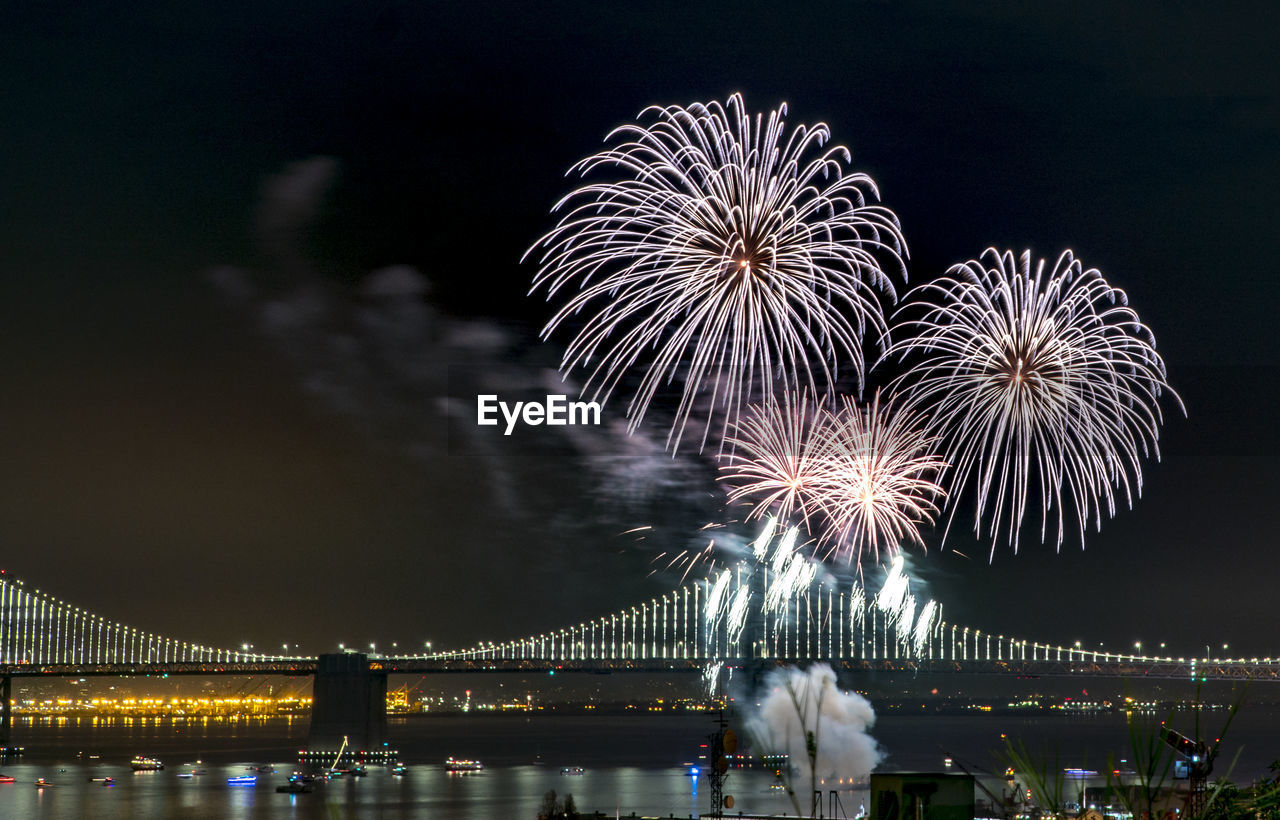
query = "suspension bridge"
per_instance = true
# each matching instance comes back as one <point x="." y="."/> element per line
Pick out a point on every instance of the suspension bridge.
<point x="729" y="623"/>
<point x="746" y="620"/>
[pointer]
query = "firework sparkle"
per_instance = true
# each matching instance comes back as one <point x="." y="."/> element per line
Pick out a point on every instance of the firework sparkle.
<point x="859" y="479"/>
<point x="726" y="250"/>
<point x="1035" y="380"/>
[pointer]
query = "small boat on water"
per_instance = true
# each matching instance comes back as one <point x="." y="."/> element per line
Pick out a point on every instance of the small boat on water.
<point x="302" y="777"/>
<point x="295" y="787"/>
<point x="102" y="780"/>
<point x="4" y="778"/>
<point x="243" y="780"/>
<point x="463" y="766"/>
<point x="265" y="768"/>
<point x="41" y="783"/>
<point x="145" y="764"/>
<point x="399" y="768"/>
<point x="573" y="770"/>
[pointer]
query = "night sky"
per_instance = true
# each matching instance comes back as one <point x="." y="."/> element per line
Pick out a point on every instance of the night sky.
<point x="259" y="259"/>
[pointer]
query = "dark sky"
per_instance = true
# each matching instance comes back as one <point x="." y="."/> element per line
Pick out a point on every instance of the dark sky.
<point x="229" y="417"/>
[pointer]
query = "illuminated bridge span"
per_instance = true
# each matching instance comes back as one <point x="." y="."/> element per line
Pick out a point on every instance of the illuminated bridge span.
<point x="689" y="629"/>
<point x="41" y="634"/>
<point x="733" y="623"/>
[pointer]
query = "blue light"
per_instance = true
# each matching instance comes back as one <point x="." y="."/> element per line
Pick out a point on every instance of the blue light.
<point x="693" y="771"/>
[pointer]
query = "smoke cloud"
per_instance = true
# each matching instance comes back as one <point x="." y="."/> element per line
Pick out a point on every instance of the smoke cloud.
<point x="798" y="702"/>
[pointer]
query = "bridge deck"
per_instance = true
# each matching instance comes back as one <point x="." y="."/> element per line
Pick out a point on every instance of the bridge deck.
<point x="1209" y="670"/>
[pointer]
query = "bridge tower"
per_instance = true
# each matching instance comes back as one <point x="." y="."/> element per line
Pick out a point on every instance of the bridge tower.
<point x="6" y="710"/>
<point x="348" y="701"/>
<point x="752" y="641"/>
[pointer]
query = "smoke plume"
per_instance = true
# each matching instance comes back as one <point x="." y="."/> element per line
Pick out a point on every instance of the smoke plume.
<point x="797" y="703"/>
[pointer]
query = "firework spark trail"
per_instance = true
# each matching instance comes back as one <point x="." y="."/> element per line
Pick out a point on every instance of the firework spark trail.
<point x="893" y="592"/>
<point x="792" y="572"/>
<point x="785" y="551"/>
<point x="737" y="618"/>
<point x="899" y="606"/>
<point x="1033" y="379"/>
<point x="716" y="599"/>
<point x="924" y="625"/>
<point x="711" y="676"/>
<point x="861" y="479"/>
<point x="857" y="605"/>
<point x="760" y="546"/>
<point x="689" y="559"/>
<point x="904" y="618"/>
<point x="726" y="252"/>
<point x="797" y="576"/>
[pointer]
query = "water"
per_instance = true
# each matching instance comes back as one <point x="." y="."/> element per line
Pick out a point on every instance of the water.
<point x="632" y="763"/>
<point x="426" y="791"/>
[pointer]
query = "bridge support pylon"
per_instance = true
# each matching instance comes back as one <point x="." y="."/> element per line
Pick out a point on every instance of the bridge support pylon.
<point x="348" y="702"/>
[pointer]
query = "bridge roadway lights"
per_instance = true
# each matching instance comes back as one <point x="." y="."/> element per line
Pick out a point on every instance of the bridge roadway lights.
<point x="349" y="700"/>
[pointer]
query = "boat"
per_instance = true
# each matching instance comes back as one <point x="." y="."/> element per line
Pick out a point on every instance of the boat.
<point x="399" y="768"/>
<point x="191" y="769"/>
<point x="295" y="787"/>
<point x="243" y="780"/>
<point x="145" y="764"/>
<point x="102" y="780"/>
<point x="357" y="770"/>
<point x="302" y="777"/>
<point x="463" y="766"/>
<point x="41" y="783"/>
<point x="265" y="768"/>
<point x="4" y="778"/>
<point x="573" y="770"/>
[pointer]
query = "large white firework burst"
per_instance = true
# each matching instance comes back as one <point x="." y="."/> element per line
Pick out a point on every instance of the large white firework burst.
<point x="859" y="478"/>
<point x="723" y="251"/>
<point x="1037" y="382"/>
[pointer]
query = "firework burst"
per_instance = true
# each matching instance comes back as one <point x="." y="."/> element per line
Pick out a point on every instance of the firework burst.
<point x="725" y="252"/>
<point x="780" y="459"/>
<point x="1036" y="382"/>
<point x="882" y="480"/>
<point x="859" y="478"/>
